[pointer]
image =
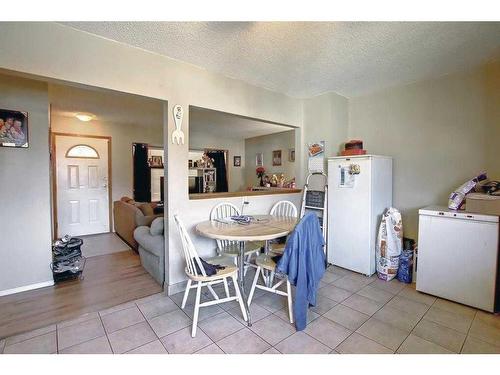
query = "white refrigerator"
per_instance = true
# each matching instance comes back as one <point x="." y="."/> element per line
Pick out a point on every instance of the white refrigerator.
<point x="359" y="191"/>
<point x="458" y="256"/>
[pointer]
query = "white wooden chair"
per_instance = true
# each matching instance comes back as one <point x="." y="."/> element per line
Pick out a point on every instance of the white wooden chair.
<point x="266" y="263"/>
<point x="232" y="248"/>
<point x="284" y="209"/>
<point x="197" y="278"/>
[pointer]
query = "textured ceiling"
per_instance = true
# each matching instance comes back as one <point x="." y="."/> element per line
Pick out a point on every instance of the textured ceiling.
<point x="304" y="59"/>
<point x="230" y="126"/>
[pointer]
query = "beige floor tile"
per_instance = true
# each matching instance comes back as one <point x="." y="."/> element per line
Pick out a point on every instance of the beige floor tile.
<point x="488" y="318"/>
<point x="350" y="284"/>
<point x="334" y="293"/>
<point x="272" y="329"/>
<point x="375" y="294"/>
<point x="121" y="319"/>
<point x="168" y="323"/>
<point x="99" y="345"/>
<point x="411" y="293"/>
<point x="204" y="312"/>
<point x="327" y="332"/>
<point x="393" y="286"/>
<point x="397" y="318"/>
<point x="243" y="342"/>
<point x="455" y="307"/>
<point x="256" y="313"/>
<point x="323" y="304"/>
<point x="346" y="317"/>
<point x="123" y="306"/>
<point x="455" y="321"/>
<point x="408" y="305"/>
<point x="271" y="302"/>
<point x="78" y="333"/>
<point x="283" y="314"/>
<point x="152" y="297"/>
<point x="83" y="318"/>
<point x="157" y="307"/>
<point x="272" y="351"/>
<point x="476" y="346"/>
<point x="362" y="304"/>
<point x="339" y="271"/>
<point x="154" y="347"/>
<point x="302" y="343"/>
<point x="220" y="326"/>
<point x="210" y="349"/>
<point x="363" y="278"/>
<point x="181" y="342"/>
<point x="416" y="345"/>
<point x="131" y="337"/>
<point x="28" y="335"/>
<point x="330" y="277"/>
<point x="485" y="332"/>
<point x="383" y="333"/>
<point x="357" y="344"/>
<point x="443" y="336"/>
<point x="43" y="344"/>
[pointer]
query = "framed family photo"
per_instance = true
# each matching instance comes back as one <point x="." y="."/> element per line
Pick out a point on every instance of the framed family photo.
<point x="276" y="157"/>
<point x="259" y="160"/>
<point x="237" y="161"/>
<point x="13" y="128"/>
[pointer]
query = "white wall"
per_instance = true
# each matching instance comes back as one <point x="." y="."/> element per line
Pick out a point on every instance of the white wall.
<point x="25" y="226"/>
<point x="438" y="133"/>
<point x="235" y="147"/>
<point x="99" y="62"/>
<point x="266" y="144"/>
<point x="122" y="137"/>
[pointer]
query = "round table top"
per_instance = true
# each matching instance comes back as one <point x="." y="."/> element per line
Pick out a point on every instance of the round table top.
<point x="264" y="227"/>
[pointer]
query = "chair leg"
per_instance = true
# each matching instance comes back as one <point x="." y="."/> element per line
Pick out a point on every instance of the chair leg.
<point x="240" y="300"/>
<point x="186" y="294"/>
<point x="226" y="288"/>
<point x="196" y="309"/>
<point x="289" y="297"/>
<point x="254" y="283"/>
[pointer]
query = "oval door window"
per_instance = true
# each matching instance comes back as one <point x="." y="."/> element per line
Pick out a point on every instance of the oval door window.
<point x="82" y="151"/>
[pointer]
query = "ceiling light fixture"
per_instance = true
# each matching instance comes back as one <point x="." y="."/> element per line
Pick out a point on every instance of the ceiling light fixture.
<point x="85" y="117"/>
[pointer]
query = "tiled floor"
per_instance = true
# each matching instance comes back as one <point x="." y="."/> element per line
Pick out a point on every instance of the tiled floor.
<point x="355" y="314"/>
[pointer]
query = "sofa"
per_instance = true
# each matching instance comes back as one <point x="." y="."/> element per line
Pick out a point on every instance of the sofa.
<point x="128" y="215"/>
<point x="151" y="243"/>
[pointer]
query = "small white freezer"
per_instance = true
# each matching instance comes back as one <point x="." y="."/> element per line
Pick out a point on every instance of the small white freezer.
<point x="458" y="256"/>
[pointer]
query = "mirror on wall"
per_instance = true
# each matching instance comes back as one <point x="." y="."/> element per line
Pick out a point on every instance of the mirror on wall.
<point x="230" y="153"/>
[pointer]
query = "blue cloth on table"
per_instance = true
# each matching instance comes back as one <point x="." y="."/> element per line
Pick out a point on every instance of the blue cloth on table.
<point x="304" y="262"/>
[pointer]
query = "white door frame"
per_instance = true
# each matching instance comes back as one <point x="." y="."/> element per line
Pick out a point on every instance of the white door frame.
<point x="53" y="164"/>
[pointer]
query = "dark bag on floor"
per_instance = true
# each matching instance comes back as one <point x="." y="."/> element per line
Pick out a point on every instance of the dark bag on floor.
<point x="210" y="269"/>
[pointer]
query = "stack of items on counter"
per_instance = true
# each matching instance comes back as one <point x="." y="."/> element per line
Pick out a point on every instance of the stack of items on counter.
<point x="67" y="259"/>
<point x="478" y="195"/>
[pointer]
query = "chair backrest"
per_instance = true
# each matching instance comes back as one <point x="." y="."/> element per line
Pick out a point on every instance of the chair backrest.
<point x="284" y="208"/>
<point x="190" y="253"/>
<point x="221" y="211"/>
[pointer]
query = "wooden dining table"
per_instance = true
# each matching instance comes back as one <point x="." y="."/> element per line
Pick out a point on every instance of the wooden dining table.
<point x="260" y="228"/>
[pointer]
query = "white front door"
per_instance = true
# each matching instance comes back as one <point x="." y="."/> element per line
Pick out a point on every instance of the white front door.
<point x="82" y="185"/>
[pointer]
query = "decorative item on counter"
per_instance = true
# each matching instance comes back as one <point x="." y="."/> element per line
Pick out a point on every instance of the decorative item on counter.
<point x="353" y="147"/>
<point x="457" y="198"/>
<point x="178" y="134"/>
<point x="205" y="162"/>
<point x="274" y="180"/>
<point x="267" y="181"/>
<point x="281" y="180"/>
<point x="260" y="173"/>
<point x="389" y="244"/>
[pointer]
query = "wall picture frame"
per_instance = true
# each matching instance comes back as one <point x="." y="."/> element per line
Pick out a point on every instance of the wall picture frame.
<point x="259" y="159"/>
<point x="156" y="161"/>
<point x="237" y="161"/>
<point x="291" y="155"/>
<point x="13" y="129"/>
<point x="276" y="158"/>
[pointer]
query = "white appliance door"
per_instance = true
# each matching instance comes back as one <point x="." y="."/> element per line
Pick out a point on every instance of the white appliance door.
<point x="82" y="185"/>
<point x="457" y="259"/>
<point x="349" y="215"/>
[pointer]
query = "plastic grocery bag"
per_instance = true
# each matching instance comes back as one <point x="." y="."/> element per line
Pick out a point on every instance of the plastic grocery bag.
<point x="389" y="244"/>
<point x="405" y="270"/>
<point x="457" y="198"/>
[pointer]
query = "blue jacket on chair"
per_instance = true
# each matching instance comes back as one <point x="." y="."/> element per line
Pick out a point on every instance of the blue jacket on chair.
<point x="304" y="263"/>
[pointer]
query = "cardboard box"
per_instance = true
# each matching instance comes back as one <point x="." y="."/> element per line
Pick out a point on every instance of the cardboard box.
<point x="483" y="204"/>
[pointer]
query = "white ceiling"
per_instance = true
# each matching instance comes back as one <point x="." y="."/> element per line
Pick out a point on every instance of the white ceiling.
<point x="106" y="105"/>
<point x="228" y="125"/>
<point x="304" y="59"/>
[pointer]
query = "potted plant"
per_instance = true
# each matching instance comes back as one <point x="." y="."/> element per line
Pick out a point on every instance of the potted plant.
<point x="260" y="173"/>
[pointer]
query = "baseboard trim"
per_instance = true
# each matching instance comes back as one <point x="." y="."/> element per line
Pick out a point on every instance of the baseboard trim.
<point x="26" y="288"/>
<point x="175" y="288"/>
